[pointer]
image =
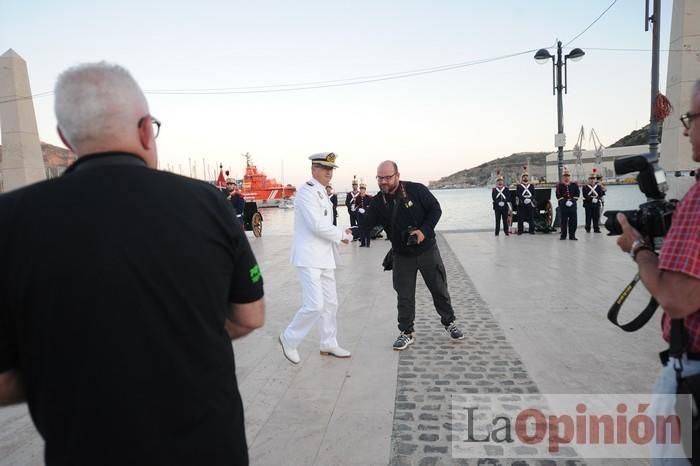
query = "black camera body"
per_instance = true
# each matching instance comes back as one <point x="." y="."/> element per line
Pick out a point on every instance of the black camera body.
<point x="653" y="218"/>
<point x="411" y="240"/>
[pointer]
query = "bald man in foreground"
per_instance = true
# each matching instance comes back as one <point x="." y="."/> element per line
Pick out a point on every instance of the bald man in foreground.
<point x="117" y="303"/>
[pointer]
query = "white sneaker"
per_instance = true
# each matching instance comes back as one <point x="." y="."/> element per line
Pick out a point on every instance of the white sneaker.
<point x="291" y="354"/>
<point x="338" y="352"/>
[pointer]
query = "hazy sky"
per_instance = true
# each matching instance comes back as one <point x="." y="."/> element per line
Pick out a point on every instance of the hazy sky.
<point x="432" y="124"/>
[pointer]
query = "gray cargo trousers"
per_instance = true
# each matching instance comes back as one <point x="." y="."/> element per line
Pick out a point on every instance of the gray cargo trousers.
<point x="433" y="272"/>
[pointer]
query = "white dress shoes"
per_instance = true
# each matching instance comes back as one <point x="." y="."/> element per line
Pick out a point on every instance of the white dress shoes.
<point x="291" y="354"/>
<point x="338" y="352"/>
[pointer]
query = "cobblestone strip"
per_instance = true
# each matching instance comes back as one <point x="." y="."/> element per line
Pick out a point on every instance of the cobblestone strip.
<point x="435" y="367"/>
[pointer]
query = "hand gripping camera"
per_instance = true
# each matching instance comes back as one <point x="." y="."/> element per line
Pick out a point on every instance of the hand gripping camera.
<point x="653" y="218"/>
<point x="411" y="240"/>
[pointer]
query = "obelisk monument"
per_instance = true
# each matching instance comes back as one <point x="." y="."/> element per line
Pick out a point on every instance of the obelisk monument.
<point x="22" y="160"/>
<point x="683" y="71"/>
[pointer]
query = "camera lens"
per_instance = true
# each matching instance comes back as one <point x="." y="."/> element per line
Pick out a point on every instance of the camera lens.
<point x="613" y="226"/>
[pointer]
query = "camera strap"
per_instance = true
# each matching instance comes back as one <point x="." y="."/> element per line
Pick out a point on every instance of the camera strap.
<point x="639" y="321"/>
<point x="678" y="345"/>
<point x="393" y="214"/>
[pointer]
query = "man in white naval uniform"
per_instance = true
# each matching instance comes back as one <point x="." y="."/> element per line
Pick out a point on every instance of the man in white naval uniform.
<point x="314" y="254"/>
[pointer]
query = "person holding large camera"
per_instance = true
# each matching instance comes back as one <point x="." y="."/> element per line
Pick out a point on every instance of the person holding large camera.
<point x="409" y="213"/>
<point x="567" y="193"/>
<point x="673" y="277"/>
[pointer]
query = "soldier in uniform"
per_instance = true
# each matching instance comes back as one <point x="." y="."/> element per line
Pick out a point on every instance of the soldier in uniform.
<point x="236" y="198"/>
<point x="567" y="195"/>
<point x="525" y="193"/>
<point x="501" y="198"/>
<point x="334" y="201"/>
<point x="592" y="200"/>
<point x="362" y="203"/>
<point x="601" y="184"/>
<point x="314" y="254"/>
<point x="350" y="202"/>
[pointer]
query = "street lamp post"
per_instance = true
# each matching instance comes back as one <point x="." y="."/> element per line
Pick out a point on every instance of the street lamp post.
<point x="542" y="56"/>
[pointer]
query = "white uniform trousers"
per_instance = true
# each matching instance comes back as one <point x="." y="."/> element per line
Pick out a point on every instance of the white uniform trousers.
<point x="319" y="303"/>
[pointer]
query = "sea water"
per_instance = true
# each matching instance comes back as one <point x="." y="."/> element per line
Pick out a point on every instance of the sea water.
<point x="462" y="209"/>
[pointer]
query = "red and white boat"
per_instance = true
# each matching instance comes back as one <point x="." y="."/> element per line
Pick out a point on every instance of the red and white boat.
<point x="267" y="192"/>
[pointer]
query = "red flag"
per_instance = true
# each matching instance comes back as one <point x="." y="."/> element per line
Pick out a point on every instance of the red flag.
<point x="221" y="180"/>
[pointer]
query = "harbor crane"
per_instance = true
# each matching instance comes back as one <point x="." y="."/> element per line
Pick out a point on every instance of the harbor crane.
<point x="598" y="151"/>
<point x="578" y="153"/>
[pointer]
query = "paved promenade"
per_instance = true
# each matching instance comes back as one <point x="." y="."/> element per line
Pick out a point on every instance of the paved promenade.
<point x="533" y="310"/>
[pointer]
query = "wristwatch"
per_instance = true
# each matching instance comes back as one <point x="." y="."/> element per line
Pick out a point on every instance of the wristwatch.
<point x="638" y="245"/>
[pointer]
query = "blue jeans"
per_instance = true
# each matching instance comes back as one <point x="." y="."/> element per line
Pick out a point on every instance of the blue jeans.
<point x="666" y="384"/>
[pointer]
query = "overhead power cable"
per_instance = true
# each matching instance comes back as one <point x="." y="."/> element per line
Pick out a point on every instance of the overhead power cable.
<point x="332" y="83"/>
<point x="591" y="25"/>
<point x="29" y="97"/>
<point x="608" y="49"/>
<point x="312" y="84"/>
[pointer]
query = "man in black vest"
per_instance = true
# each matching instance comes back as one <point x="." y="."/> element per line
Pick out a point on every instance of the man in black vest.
<point x="119" y="303"/>
<point x="526" y="205"/>
<point x="567" y="193"/>
<point x="409" y="213"/>
<point x="592" y="200"/>
<point x="500" y="197"/>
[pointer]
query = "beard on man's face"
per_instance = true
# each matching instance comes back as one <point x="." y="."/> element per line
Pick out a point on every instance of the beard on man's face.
<point x="388" y="186"/>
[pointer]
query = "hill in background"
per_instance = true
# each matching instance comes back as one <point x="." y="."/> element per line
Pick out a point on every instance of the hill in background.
<point x="54" y="156"/>
<point x="511" y="166"/>
<point x="635" y="138"/>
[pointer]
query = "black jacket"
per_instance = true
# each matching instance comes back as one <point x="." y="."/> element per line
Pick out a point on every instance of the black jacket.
<point x="588" y="193"/>
<point x="416" y="208"/>
<point x="567" y="193"/>
<point x="496" y="198"/>
<point x="520" y="194"/>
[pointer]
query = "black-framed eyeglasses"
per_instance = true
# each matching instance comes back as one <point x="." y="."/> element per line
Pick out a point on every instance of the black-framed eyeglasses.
<point x="154" y="121"/>
<point x="385" y="178"/>
<point x="687" y="118"/>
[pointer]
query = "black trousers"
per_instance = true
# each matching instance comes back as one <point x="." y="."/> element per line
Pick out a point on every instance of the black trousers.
<point x="501" y="214"/>
<point x="526" y="212"/>
<point x="569" y="220"/>
<point x="433" y="272"/>
<point x="353" y="218"/>
<point x="364" y="239"/>
<point x="592" y="213"/>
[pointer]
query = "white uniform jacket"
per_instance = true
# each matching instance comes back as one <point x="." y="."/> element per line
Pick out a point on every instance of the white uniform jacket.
<point x="316" y="239"/>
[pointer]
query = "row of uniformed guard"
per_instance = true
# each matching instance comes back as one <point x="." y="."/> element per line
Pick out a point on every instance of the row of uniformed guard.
<point x="567" y="193"/>
<point x="357" y="202"/>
